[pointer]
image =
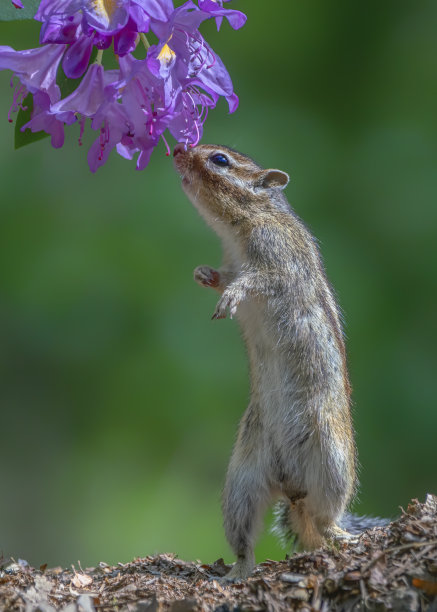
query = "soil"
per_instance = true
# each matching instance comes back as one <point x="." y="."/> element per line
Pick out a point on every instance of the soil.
<point x="386" y="568"/>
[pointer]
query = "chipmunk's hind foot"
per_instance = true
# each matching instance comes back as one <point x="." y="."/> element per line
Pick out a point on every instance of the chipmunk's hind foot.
<point x="241" y="570"/>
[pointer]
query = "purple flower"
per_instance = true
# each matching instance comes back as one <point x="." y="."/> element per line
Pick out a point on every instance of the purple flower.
<point x="158" y="10"/>
<point x="172" y="88"/>
<point x="36" y="68"/>
<point x="184" y="54"/>
<point x="134" y="116"/>
<point x="87" y="97"/>
<point x="18" y="4"/>
<point x="68" y="20"/>
<point x="43" y="119"/>
<point x="236" y="19"/>
<point x="111" y="121"/>
<point x="187" y="124"/>
<point x="106" y="17"/>
<point x="77" y="57"/>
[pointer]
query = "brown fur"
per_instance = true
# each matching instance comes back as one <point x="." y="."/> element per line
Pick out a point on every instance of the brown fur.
<point x="296" y="438"/>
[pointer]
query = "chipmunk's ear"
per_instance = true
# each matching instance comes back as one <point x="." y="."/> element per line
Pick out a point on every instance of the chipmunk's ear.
<point x="275" y="179"/>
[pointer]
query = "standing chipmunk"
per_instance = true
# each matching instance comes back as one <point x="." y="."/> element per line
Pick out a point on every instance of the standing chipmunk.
<point x="296" y="438"/>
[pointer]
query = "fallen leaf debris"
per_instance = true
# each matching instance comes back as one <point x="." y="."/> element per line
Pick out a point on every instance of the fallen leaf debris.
<point x="387" y="568"/>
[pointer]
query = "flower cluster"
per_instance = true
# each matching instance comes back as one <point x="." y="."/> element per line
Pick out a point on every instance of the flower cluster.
<point x="171" y="88"/>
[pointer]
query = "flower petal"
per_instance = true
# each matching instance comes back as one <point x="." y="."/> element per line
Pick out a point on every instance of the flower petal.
<point x="87" y="97"/>
<point x="125" y="40"/>
<point x="111" y="121"/>
<point x="236" y="19"/>
<point x="159" y="10"/>
<point x="107" y="16"/>
<point x="140" y="17"/>
<point x="42" y="120"/>
<point x="144" y="157"/>
<point x="36" y="68"/>
<point x="233" y="102"/>
<point x="216" y="78"/>
<point x="60" y="29"/>
<point x="47" y="8"/>
<point x="77" y="57"/>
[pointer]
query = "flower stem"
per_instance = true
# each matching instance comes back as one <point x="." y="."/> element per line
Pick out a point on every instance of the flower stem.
<point x="99" y="57"/>
<point x="144" y="40"/>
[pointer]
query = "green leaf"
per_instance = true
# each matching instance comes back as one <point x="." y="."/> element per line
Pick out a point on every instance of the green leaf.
<point x="27" y="137"/>
<point x="8" y="12"/>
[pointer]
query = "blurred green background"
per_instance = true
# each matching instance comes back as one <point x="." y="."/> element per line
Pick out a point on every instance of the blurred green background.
<point x="119" y="396"/>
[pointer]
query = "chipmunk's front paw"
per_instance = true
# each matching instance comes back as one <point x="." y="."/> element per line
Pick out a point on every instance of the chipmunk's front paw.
<point x="229" y="300"/>
<point x="206" y="276"/>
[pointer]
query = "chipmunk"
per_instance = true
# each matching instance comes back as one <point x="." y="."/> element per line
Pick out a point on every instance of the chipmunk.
<point x="296" y="438"/>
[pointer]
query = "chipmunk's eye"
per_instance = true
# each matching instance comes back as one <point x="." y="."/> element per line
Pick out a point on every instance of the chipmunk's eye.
<point x="219" y="160"/>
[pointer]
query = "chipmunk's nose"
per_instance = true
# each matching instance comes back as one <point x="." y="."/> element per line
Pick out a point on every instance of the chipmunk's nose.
<point x="179" y="148"/>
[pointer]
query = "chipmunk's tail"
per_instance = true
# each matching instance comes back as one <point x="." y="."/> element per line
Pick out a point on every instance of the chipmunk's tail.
<point x="355" y="524"/>
<point x="281" y="527"/>
<point x="352" y="523"/>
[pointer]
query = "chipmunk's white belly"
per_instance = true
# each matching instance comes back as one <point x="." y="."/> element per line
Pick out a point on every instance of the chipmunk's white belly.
<point x="272" y="371"/>
<point x="279" y="374"/>
<point x="275" y="390"/>
<point x="288" y="411"/>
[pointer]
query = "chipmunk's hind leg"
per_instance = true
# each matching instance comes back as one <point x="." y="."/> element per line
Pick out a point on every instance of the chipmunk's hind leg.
<point x="315" y="518"/>
<point x="245" y="499"/>
<point x="329" y="484"/>
<point x="246" y="495"/>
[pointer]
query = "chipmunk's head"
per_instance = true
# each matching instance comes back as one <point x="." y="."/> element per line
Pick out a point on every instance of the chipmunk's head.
<point x="228" y="187"/>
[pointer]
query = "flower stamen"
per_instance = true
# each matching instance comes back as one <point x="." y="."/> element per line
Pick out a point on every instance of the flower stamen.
<point x="20" y="92"/>
<point x="82" y="129"/>
<point x="166" y="144"/>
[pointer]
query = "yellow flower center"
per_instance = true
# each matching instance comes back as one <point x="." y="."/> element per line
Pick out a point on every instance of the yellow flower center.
<point x="105" y="8"/>
<point x="166" y="55"/>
